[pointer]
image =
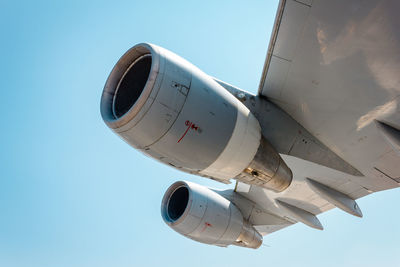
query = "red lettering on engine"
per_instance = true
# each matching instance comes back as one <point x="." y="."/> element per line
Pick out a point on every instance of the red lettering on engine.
<point x="189" y="125"/>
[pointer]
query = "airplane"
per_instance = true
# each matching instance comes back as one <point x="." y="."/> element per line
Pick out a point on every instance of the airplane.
<point x="322" y="132"/>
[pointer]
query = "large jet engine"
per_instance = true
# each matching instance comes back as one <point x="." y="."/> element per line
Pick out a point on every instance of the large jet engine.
<point x="203" y="215"/>
<point x="170" y="110"/>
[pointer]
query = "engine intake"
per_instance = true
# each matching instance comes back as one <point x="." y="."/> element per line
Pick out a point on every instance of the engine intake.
<point x="131" y="85"/>
<point x="203" y="215"/>
<point x="177" y="203"/>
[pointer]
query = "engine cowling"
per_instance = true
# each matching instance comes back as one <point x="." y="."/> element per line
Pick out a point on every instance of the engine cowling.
<point x="203" y="215"/>
<point x="170" y="110"/>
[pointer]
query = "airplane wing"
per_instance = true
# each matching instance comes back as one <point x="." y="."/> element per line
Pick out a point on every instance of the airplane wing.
<point x="334" y="67"/>
<point x="323" y="131"/>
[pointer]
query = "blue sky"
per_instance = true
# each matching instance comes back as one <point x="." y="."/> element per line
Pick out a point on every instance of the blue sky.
<point x="73" y="194"/>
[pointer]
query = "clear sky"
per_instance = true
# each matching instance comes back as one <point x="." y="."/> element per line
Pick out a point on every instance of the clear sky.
<point x="73" y="194"/>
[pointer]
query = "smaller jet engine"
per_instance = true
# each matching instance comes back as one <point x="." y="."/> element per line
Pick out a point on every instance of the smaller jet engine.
<point x="203" y="215"/>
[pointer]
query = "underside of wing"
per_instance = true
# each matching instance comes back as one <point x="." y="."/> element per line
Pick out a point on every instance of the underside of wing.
<point x="314" y="190"/>
<point x="334" y="66"/>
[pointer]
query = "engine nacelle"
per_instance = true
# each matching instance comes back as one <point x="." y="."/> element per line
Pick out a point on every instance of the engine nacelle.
<point x="205" y="216"/>
<point x="170" y="110"/>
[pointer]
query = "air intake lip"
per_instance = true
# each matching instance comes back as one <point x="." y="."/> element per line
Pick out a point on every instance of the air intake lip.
<point x="176" y="203"/>
<point x="129" y="85"/>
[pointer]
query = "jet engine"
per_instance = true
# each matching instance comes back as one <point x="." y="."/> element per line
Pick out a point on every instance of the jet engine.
<point x="203" y="215"/>
<point x="170" y="110"/>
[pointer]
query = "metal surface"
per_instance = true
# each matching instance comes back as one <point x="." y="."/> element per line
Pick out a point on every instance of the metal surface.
<point x="241" y="148"/>
<point x="300" y="195"/>
<point x="209" y="218"/>
<point x="340" y="200"/>
<point x="286" y="135"/>
<point x="249" y="237"/>
<point x="267" y="169"/>
<point x="182" y="117"/>
<point x="190" y="121"/>
<point x="338" y="76"/>
<point x="301" y="215"/>
<point x="341" y="76"/>
<point x="141" y="106"/>
<point x="391" y="135"/>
